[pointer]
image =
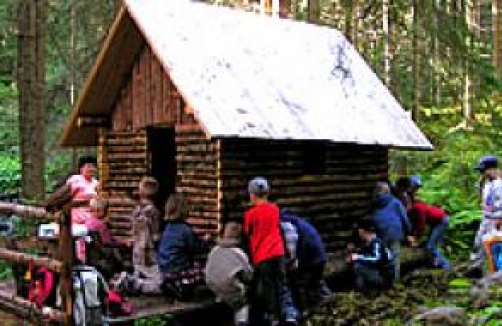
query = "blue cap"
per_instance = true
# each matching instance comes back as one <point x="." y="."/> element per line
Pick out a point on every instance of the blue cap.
<point x="486" y="162"/>
<point x="258" y="185"/>
<point x="416" y="181"/>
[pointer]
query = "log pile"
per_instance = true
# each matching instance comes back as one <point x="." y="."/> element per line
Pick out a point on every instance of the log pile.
<point x="123" y="160"/>
<point x="332" y="187"/>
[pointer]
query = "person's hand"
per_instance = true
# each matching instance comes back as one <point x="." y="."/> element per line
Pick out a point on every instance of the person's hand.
<point x="207" y="237"/>
<point x="351" y="258"/>
<point x="351" y="246"/>
<point x="412" y="241"/>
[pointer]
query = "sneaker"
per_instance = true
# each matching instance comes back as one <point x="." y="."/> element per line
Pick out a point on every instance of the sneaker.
<point x="290" y="322"/>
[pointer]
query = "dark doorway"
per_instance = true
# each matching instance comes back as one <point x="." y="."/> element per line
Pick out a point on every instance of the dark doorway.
<point x="162" y="153"/>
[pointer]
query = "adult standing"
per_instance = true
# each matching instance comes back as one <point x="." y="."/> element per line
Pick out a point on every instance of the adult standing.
<point x="83" y="187"/>
<point x="491" y="204"/>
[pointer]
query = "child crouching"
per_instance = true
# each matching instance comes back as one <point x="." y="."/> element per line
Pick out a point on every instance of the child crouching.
<point x="372" y="264"/>
<point x="229" y="273"/>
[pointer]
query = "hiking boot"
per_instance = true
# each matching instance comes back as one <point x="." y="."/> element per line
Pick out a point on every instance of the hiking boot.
<point x="474" y="272"/>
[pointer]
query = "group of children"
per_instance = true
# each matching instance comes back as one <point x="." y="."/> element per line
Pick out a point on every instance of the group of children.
<point x="267" y="266"/>
<point x="396" y="214"/>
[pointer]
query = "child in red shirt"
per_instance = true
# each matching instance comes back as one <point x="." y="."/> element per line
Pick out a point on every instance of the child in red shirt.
<point x="424" y="214"/>
<point x="270" y="292"/>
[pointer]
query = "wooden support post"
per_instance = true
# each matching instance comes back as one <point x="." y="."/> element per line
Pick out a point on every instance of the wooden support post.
<point x="66" y="252"/>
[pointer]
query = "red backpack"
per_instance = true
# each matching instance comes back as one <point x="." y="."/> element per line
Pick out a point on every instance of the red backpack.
<point x="43" y="289"/>
<point x="118" y="305"/>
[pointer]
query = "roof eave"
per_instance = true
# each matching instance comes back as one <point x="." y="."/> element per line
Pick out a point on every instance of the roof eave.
<point x="99" y="81"/>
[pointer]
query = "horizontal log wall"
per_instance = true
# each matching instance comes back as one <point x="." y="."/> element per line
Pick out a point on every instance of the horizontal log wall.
<point x="149" y="99"/>
<point x="196" y="161"/>
<point x="333" y="197"/>
<point x="123" y="160"/>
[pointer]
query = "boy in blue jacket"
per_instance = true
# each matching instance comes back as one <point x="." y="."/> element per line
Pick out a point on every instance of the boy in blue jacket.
<point x="372" y="263"/>
<point x="391" y="223"/>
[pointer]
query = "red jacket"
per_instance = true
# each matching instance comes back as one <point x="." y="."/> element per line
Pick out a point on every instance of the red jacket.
<point x="262" y="227"/>
<point x="423" y="214"/>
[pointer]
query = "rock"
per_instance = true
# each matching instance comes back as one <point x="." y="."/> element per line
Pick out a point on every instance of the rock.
<point x="441" y="316"/>
<point x="486" y="289"/>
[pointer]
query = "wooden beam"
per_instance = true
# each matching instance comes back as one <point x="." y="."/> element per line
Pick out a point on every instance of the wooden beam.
<point x="25" y="308"/>
<point x="98" y="121"/>
<point x="25" y="211"/>
<point x="16" y="256"/>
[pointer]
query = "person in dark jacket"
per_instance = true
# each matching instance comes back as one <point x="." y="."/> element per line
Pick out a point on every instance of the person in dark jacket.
<point x="391" y="223"/>
<point x="178" y="249"/>
<point x="307" y="275"/>
<point x="372" y="263"/>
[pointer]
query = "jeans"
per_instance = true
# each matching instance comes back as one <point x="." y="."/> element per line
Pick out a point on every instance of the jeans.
<point x="367" y="278"/>
<point x="395" y="249"/>
<point x="435" y="238"/>
<point x="270" y="293"/>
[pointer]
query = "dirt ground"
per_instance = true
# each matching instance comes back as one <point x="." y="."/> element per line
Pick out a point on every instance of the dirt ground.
<point x="8" y="320"/>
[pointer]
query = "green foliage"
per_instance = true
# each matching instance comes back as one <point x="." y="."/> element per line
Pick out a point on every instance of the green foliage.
<point x="10" y="174"/>
<point x="155" y="321"/>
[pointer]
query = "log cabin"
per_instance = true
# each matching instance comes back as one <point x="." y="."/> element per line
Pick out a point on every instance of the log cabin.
<point x="204" y="98"/>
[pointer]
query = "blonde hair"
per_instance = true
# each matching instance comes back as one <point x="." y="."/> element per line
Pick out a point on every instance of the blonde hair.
<point x="148" y="187"/>
<point x="175" y="208"/>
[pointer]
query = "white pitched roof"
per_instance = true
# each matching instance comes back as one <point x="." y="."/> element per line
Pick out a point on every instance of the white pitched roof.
<point x="253" y="76"/>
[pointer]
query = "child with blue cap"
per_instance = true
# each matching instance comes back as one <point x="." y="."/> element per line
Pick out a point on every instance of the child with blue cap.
<point x="491" y="202"/>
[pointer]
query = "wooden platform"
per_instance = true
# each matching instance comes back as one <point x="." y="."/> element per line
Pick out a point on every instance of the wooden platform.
<point x="144" y="307"/>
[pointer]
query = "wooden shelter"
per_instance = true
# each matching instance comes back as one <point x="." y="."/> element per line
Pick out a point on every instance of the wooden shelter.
<point x="205" y="98"/>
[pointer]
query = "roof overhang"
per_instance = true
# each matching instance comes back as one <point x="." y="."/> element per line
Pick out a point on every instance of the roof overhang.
<point x="104" y="82"/>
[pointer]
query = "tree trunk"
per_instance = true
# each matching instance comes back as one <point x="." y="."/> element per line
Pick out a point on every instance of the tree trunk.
<point x="32" y="19"/>
<point x="387" y="40"/>
<point x="497" y="41"/>
<point x="314" y="11"/>
<point x="468" y="83"/>
<point x="416" y="61"/>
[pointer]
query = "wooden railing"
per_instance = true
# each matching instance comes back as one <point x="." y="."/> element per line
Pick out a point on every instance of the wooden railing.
<point x="62" y="264"/>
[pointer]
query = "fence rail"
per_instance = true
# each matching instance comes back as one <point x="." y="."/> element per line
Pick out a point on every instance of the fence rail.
<point x="62" y="265"/>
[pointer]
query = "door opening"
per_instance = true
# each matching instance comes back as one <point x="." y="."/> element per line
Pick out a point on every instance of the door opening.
<point x="162" y="154"/>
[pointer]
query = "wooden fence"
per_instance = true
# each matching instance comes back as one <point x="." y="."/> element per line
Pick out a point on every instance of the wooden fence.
<point x="61" y="263"/>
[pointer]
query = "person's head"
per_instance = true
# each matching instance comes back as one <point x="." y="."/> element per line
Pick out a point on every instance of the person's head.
<point x="415" y="183"/>
<point x="381" y="188"/>
<point x="99" y="207"/>
<point x="488" y="167"/>
<point x="148" y="188"/>
<point x="87" y="166"/>
<point x="366" y="229"/>
<point x="403" y="184"/>
<point x="258" y="189"/>
<point x="175" y="209"/>
<point x="232" y="230"/>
